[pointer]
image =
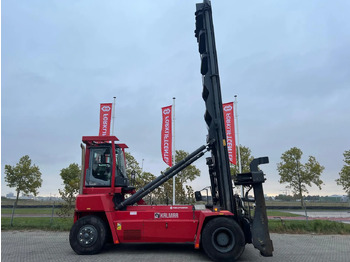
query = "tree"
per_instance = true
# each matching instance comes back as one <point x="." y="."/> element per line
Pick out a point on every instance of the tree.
<point x="183" y="192"/>
<point x="137" y="177"/>
<point x="246" y="158"/>
<point x="24" y="177"/>
<point x="136" y="174"/>
<point x="71" y="179"/>
<point x="132" y="167"/>
<point x="344" y="179"/>
<point x="298" y="175"/>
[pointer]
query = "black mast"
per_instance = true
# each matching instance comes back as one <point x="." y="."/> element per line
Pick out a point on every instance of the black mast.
<point x="218" y="163"/>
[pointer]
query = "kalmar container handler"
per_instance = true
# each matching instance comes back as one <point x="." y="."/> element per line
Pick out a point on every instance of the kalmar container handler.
<point x="107" y="207"/>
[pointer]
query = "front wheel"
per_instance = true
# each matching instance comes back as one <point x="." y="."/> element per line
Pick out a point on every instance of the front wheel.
<point x="88" y="235"/>
<point x="223" y="239"/>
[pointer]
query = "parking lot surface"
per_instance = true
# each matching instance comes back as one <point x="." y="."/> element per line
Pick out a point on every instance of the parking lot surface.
<point x="54" y="246"/>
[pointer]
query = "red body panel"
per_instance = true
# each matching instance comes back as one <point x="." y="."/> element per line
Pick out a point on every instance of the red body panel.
<point x="94" y="203"/>
<point x="152" y="224"/>
<point x="156" y="224"/>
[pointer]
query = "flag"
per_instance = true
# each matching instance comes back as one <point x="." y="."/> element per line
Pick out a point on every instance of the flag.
<point x="105" y="119"/>
<point x="230" y="132"/>
<point x="166" y="143"/>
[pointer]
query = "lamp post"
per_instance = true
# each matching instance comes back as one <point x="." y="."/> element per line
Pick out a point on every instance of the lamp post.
<point x="174" y="151"/>
<point x="238" y="145"/>
<point x="113" y="116"/>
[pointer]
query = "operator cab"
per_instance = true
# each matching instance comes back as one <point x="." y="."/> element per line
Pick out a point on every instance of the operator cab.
<point x="102" y="161"/>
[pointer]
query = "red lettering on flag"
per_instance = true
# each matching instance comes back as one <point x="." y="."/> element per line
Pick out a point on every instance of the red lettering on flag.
<point x="230" y="131"/>
<point x="105" y="119"/>
<point x="166" y="139"/>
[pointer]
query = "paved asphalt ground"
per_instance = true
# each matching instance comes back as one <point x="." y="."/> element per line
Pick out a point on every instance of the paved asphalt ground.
<point x="34" y="246"/>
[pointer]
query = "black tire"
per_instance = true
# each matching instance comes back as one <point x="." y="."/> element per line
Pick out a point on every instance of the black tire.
<point x="223" y="239"/>
<point x="88" y="235"/>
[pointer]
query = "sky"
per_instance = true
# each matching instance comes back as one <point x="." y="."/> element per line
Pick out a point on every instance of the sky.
<point x="288" y="62"/>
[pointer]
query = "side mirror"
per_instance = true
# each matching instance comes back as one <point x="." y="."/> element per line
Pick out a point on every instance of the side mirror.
<point x="198" y="196"/>
<point x="132" y="178"/>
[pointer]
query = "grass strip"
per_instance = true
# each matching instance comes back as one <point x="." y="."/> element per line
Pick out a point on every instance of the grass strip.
<point x="41" y="223"/>
<point x="46" y="211"/>
<point x="306" y="227"/>
<point x="277" y="213"/>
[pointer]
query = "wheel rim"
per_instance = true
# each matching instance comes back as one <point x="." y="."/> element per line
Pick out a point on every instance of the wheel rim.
<point x="87" y="235"/>
<point x="223" y="239"/>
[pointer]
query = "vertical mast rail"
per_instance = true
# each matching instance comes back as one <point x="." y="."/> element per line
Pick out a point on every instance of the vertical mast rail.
<point x="219" y="167"/>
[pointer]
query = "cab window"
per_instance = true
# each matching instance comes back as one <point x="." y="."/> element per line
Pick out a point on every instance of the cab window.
<point x="120" y="163"/>
<point x="99" y="172"/>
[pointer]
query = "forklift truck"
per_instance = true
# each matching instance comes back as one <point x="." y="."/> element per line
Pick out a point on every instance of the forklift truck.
<point x="109" y="208"/>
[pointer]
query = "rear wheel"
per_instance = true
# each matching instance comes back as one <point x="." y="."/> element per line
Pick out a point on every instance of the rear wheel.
<point x="223" y="239"/>
<point x="88" y="235"/>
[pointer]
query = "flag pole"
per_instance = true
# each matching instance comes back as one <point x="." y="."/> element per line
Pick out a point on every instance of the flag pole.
<point x="113" y="117"/>
<point x="174" y="151"/>
<point x="238" y="145"/>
